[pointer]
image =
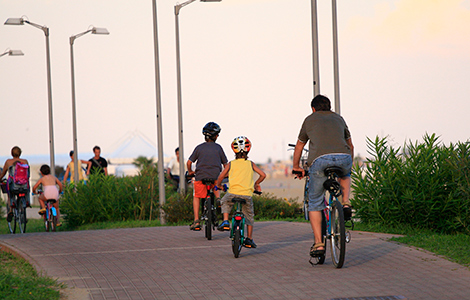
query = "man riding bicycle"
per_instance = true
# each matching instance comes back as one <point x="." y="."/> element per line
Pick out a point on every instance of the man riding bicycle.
<point x="330" y="145"/>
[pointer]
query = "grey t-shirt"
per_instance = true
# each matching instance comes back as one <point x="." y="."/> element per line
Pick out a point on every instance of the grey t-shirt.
<point x="327" y="133"/>
<point x="209" y="158"/>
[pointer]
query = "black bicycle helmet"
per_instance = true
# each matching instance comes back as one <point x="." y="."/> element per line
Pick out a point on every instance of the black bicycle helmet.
<point x="211" y="129"/>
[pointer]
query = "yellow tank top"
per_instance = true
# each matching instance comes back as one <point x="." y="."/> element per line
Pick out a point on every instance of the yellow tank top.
<point x="240" y="177"/>
<point x="72" y="170"/>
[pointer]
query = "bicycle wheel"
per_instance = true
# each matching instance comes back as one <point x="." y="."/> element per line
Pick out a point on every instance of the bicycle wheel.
<point x="236" y="241"/>
<point x="53" y="223"/>
<point x="47" y="214"/>
<point x="12" y="223"/>
<point x="305" y="206"/>
<point x="208" y="221"/>
<point x="22" y="214"/>
<point x="338" y="234"/>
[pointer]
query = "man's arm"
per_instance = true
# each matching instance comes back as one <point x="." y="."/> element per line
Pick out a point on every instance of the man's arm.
<point x="351" y="146"/>
<point x="299" y="147"/>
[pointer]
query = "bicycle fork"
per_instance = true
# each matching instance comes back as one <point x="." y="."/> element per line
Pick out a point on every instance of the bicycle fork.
<point x="238" y="222"/>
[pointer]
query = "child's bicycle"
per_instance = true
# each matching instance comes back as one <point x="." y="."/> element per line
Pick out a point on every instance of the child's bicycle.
<point x="50" y="216"/>
<point x="237" y="232"/>
<point x="208" y="208"/>
<point x="18" y="205"/>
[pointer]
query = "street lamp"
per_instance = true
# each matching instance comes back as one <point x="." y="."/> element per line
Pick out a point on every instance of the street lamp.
<point x="161" y="171"/>
<point x="21" y="21"/>
<point x="12" y="53"/>
<point x="178" y="7"/>
<point x="93" y="30"/>
<point x="335" y="56"/>
<point x="315" y="59"/>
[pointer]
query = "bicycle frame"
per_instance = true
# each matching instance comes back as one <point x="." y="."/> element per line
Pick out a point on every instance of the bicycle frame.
<point x="209" y="215"/>
<point x="18" y="203"/>
<point x="237" y="232"/>
<point x="50" y="216"/>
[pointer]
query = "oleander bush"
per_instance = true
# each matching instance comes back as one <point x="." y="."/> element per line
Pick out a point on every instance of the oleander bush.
<point x="109" y="198"/>
<point x="425" y="185"/>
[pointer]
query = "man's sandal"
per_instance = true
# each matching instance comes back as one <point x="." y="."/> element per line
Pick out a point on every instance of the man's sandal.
<point x="196" y="225"/>
<point x="347" y="212"/>
<point x="315" y="252"/>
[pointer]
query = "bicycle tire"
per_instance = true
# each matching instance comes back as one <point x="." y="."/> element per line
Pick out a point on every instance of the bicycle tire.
<point x="236" y="241"/>
<point x="22" y="215"/>
<point x="338" y="235"/>
<point x="46" y="218"/>
<point x="305" y="206"/>
<point x="12" y="223"/>
<point x="53" y="223"/>
<point x="208" y="221"/>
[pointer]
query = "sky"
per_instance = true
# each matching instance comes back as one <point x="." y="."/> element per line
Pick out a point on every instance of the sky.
<point x="246" y="65"/>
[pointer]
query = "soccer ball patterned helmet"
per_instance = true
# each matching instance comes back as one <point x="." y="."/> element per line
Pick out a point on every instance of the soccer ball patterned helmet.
<point x="241" y="144"/>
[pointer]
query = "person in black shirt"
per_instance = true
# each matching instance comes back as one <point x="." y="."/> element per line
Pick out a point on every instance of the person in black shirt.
<point x="98" y="163"/>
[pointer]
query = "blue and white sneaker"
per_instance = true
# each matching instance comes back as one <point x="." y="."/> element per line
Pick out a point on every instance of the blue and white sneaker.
<point x="224" y="226"/>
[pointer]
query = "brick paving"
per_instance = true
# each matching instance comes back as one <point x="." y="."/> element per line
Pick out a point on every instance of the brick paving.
<point x="176" y="263"/>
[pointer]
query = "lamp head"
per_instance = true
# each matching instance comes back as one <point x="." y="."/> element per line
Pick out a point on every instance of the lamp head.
<point x="96" y="30"/>
<point x="14" y="21"/>
<point x="15" y="53"/>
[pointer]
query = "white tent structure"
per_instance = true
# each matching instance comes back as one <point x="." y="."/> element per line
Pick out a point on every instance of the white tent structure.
<point x="132" y="145"/>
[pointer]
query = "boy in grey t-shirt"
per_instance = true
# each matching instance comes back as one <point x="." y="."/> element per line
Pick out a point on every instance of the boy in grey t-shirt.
<point x="209" y="158"/>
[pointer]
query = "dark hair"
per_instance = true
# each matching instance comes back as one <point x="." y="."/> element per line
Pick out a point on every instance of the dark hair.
<point x="71" y="153"/>
<point x="177" y="149"/>
<point x="15" y="151"/>
<point x="321" y="103"/>
<point x="96" y="147"/>
<point x="241" y="154"/>
<point x="45" y="170"/>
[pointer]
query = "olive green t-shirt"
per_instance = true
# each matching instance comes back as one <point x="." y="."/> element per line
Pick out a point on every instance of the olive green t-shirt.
<point x="327" y="133"/>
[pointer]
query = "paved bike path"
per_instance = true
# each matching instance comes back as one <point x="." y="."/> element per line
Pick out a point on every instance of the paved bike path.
<point x="176" y="263"/>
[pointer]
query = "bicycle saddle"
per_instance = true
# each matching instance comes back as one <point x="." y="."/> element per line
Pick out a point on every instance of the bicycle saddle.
<point x="208" y="181"/>
<point x="333" y="170"/>
<point x="241" y="200"/>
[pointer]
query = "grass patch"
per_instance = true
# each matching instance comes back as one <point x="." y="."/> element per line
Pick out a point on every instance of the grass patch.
<point x="454" y="247"/>
<point x="19" y="280"/>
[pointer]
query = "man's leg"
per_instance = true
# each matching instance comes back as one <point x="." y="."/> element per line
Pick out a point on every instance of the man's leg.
<point x="315" y="222"/>
<point x="345" y="184"/>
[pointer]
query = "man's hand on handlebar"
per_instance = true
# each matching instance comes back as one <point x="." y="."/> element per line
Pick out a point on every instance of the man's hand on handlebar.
<point x="299" y="172"/>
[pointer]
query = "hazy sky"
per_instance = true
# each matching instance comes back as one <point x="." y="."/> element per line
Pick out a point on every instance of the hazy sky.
<point x="246" y="64"/>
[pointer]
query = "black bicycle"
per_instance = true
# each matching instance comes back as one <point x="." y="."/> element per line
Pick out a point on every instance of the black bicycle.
<point x="18" y="206"/>
<point x="303" y="164"/>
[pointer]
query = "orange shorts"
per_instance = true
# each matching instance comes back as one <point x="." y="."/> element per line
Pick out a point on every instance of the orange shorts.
<point x="200" y="189"/>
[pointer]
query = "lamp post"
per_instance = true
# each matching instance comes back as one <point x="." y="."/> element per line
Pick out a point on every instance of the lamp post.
<point x="335" y="57"/>
<point x="178" y="7"/>
<point x="161" y="171"/>
<point x="93" y="30"/>
<point x="12" y="53"/>
<point x="21" y="21"/>
<point x="315" y="59"/>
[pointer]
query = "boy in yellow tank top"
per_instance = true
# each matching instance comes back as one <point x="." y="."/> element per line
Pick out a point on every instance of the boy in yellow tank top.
<point x="241" y="185"/>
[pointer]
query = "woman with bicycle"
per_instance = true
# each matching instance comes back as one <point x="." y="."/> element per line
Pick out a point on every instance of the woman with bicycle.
<point x="330" y="145"/>
<point x="240" y="178"/>
<point x="50" y="191"/>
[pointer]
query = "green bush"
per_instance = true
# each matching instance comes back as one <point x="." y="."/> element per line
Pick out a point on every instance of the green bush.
<point x="108" y="198"/>
<point x="424" y="185"/>
<point x="270" y="207"/>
